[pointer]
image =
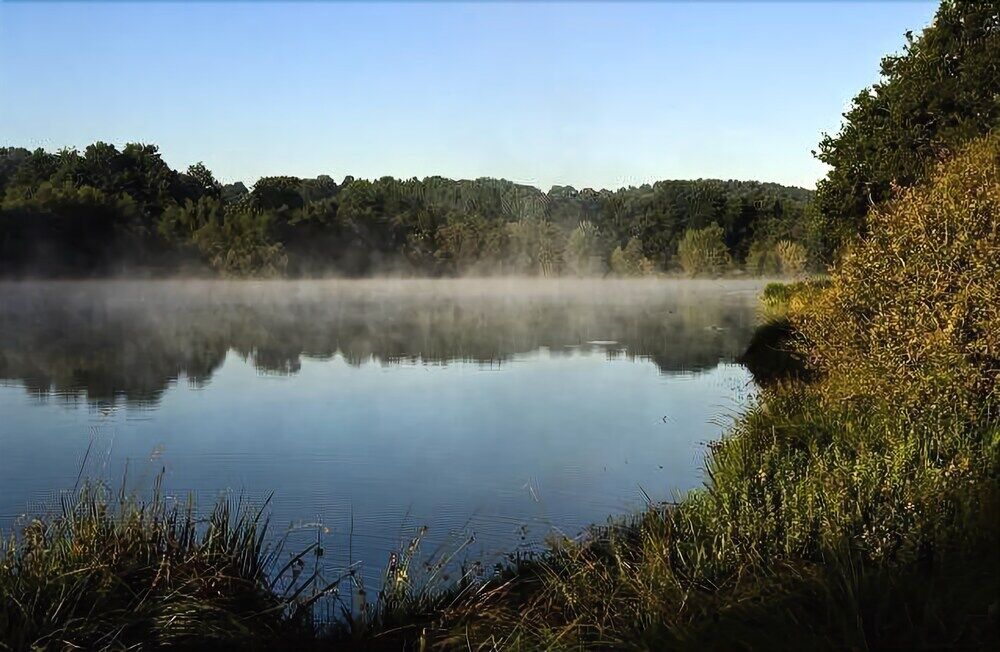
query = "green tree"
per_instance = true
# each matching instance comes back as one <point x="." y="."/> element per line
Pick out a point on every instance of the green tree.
<point x="630" y="261"/>
<point x="703" y="251"/>
<point x="762" y="259"/>
<point x="239" y="245"/>
<point x="204" y="179"/>
<point x="940" y="92"/>
<point x="536" y="247"/>
<point x="792" y="257"/>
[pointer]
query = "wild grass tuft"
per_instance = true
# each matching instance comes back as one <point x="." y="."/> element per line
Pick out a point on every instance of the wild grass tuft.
<point x="108" y="570"/>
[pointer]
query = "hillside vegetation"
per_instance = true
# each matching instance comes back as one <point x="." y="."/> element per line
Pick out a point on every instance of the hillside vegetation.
<point x="104" y="211"/>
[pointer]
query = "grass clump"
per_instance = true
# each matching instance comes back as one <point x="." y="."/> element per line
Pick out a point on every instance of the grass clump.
<point x="779" y="300"/>
<point x="110" y="571"/>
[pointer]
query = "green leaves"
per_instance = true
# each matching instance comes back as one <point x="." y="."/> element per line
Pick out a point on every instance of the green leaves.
<point x="943" y="90"/>
<point x="703" y="251"/>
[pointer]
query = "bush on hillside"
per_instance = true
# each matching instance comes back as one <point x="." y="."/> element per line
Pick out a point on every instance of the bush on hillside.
<point x="913" y="314"/>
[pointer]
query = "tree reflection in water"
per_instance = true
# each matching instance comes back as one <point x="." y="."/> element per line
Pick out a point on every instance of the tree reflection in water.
<point x="129" y="340"/>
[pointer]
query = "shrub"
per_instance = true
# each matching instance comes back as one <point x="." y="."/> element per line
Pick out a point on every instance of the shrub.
<point x="785" y="257"/>
<point x="761" y="260"/>
<point x="703" y="251"/>
<point x="913" y="315"/>
<point x="630" y="261"/>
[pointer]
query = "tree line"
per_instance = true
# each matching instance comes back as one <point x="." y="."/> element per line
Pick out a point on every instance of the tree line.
<point x="105" y="210"/>
<point x="108" y="210"/>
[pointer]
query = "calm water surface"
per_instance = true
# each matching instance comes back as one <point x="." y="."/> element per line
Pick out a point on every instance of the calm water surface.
<point x="505" y="409"/>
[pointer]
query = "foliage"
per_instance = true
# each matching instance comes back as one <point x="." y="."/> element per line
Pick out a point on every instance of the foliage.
<point x="536" y="247"/>
<point x="784" y="257"/>
<point x="939" y="93"/>
<point x="585" y="251"/>
<point x="63" y="226"/>
<point x="762" y="260"/>
<point x="238" y="245"/>
<point x="111" y="572"/>
<point x="914" y="312"/>
<point x="792" y="258"/>
<point x="630" y="261"/>
<point x="471" y="244"/>
<point x="204" y="179"/>
<point x="702" y="251"/>
<point x="780" y="300"/>
<point x="316" y="226"/>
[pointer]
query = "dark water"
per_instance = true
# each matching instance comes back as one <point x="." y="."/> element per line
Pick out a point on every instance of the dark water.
<point x="506" y="409"/>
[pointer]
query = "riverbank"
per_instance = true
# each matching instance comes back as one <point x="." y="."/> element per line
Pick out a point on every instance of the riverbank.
<point x="857" y="509"/>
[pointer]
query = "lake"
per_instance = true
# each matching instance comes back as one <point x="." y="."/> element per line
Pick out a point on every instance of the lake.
<point x="504" y="410"/>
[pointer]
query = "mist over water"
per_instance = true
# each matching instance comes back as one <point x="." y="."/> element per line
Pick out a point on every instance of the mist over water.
<point x="510" y="408"/>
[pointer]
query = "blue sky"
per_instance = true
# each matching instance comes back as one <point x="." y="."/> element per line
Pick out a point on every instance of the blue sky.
<point x="590" y="94"/>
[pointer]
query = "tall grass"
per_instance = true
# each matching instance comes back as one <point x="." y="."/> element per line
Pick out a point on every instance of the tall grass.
<point x="108" y="571"/>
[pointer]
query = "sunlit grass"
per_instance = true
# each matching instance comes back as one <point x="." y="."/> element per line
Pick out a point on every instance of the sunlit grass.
<point x="823" y="526"/>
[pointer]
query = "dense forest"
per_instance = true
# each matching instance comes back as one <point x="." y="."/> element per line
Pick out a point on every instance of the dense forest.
<point x="106" y="210"/>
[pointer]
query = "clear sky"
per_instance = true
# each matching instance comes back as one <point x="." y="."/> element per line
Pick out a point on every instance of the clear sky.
<point x="590" y="94"/>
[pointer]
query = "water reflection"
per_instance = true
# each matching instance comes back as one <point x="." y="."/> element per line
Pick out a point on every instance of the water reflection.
<point x="108" y="341"/>
<point x="502" y="409"/>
